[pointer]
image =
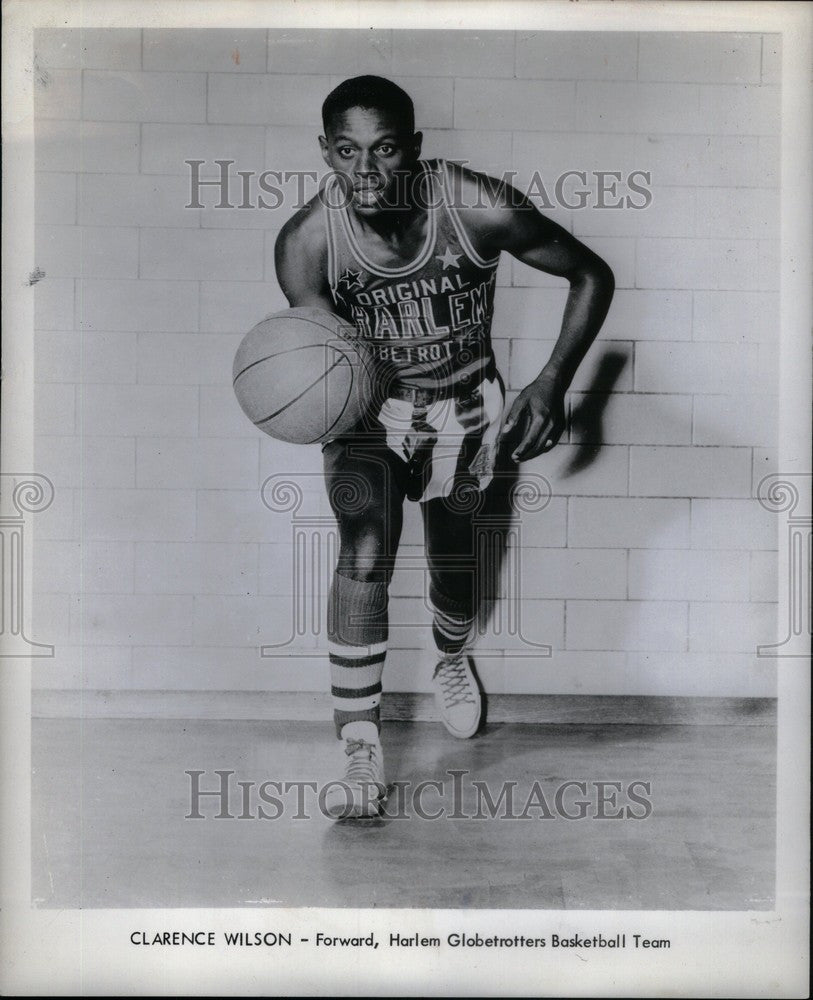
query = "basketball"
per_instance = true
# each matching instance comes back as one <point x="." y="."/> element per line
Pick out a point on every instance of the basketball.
<point x="300" y="378"/>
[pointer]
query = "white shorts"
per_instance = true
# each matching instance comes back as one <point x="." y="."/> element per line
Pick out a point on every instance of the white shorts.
<point x="446" y="443"/>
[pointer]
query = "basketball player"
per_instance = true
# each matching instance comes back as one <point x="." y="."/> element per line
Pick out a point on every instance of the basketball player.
<point x="407" y="251"/>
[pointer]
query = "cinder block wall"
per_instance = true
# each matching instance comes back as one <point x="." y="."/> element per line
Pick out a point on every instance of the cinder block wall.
<point x="651" y="570"/>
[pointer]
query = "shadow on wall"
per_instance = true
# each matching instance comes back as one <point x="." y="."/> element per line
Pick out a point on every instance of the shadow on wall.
<point x="588" y="416"/>
<point x="650" y="626"/>
<point x="498" y="510"/>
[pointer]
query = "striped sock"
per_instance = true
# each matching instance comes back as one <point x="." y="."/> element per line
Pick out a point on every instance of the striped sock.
<point x="357" y="646"/>
<point x="452" y="623"/>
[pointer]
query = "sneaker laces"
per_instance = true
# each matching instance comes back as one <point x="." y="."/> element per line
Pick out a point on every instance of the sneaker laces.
<point x="454" y="682"/>
<point x="363" y="764"/>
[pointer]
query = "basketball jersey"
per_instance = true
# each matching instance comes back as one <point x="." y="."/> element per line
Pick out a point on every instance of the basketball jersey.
<point x="427" y="322"/>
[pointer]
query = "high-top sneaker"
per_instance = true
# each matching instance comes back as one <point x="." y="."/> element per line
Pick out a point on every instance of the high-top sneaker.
<point x="362" y="790"/>
<point x="457" y="695"/>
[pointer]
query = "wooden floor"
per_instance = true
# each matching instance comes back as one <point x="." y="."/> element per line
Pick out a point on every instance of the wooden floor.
<point x="110" y="797"/>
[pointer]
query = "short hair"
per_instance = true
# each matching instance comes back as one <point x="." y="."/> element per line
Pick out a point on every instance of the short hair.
<point x="370" y="92"/>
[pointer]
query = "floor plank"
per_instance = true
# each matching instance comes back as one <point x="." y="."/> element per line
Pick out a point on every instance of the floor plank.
<point x="110" y="797"/>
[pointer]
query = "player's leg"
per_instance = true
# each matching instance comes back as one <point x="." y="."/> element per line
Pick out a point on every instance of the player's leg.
<point x="463" y="460"/>
<point x="451" y="553"/>
<point x="366" y="500"/>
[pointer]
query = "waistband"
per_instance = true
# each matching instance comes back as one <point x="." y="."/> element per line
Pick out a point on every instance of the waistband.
<point x="420" y="396"/>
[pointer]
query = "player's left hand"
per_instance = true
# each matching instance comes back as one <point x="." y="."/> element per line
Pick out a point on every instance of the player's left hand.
<point x="539" y="411"/>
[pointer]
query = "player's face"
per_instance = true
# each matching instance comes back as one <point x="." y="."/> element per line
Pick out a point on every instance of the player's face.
<point x="370" y="151"/>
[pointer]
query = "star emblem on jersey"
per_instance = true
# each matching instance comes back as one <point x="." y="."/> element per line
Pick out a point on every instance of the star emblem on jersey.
<point x="350" y="279"/>
<point x="448" y="259"/>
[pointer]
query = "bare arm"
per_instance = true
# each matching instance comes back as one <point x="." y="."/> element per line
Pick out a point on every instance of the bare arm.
<point x="511" y="223"/>
<point x="300" y="257"/>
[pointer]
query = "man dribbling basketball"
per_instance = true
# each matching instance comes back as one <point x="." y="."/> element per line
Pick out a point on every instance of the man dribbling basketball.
<point x="407" y="251"/>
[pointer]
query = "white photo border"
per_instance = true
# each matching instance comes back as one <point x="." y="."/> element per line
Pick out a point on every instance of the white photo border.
<point x="713" y="953"/>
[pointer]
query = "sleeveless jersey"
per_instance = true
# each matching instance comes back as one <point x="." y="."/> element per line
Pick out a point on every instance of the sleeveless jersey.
<point x="428" y="321"/>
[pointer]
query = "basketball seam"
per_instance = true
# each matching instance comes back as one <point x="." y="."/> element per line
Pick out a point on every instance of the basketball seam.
<point x="341" y="414"/>
<point x="305" y="319"/>
<point x="279" y="354"/>
<point x="307" y="389"/>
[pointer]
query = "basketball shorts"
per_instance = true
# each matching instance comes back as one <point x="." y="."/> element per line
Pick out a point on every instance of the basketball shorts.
<point x="434" y="447"/>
